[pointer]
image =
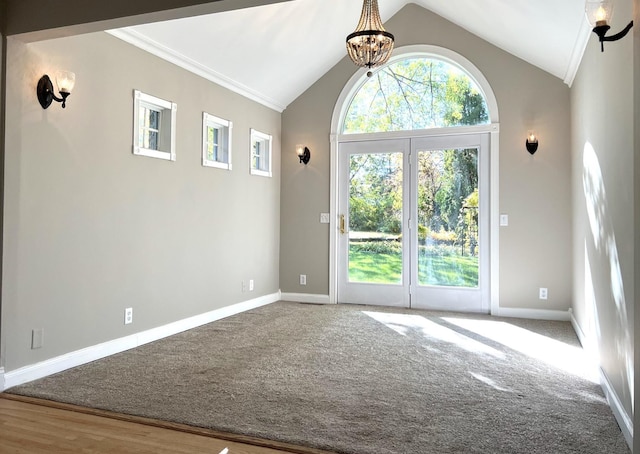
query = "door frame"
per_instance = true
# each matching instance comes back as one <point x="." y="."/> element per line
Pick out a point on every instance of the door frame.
<point x="493" y="128"/>
<point x="408" y="293"/>
<point x="437" y="297"/>
<point x="396" y="295"/>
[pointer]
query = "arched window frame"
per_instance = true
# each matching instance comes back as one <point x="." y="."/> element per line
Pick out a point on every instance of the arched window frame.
<point x="423" y="51"/>
<point x="493" y="128"/>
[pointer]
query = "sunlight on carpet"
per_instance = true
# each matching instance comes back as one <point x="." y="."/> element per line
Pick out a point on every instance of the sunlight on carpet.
<point x="569" y="358"/>
<point x="404" y="323"/>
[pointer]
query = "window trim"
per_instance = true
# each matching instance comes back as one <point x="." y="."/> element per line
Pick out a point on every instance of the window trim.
<point x="260" y="136"/>
<point x="163" y="106"/>
<point x="211" y="120"/>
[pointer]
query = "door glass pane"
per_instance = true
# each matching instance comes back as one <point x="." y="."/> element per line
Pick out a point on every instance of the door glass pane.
<point x="448" y="217"/>
<point x="375" y="218"/>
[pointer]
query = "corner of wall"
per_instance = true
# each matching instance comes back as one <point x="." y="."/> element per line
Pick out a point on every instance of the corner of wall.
<point x="622" y="417"/>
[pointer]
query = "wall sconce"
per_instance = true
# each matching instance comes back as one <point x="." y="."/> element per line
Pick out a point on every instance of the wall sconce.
<point x="599" y="14"/>
<point x="303" y="153"/>
<point x="65" y="81"/>
<point x="531" y="143"/>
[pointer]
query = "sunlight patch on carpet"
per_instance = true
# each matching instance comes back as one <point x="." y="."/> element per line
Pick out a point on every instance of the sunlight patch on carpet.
<point x="568" y="358"/>
<point x="406" y="324"/>
<point x="490" y="382"/>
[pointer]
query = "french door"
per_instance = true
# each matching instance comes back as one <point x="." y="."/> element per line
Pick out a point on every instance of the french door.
<point x="414" y="222"/>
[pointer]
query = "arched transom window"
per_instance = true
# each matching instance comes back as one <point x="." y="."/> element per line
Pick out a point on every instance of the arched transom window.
<point x="416" y="93"/>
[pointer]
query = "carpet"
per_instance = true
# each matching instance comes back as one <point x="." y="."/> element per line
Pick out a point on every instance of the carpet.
<point x="360" y="380"/>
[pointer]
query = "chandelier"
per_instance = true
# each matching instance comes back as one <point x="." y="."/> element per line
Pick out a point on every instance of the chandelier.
<point x="370" y="44"/>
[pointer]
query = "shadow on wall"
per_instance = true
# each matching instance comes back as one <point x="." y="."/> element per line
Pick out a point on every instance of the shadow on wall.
<point x="604" y="256"/>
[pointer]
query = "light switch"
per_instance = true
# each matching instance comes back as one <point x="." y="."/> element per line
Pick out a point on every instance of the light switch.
<point x="324" y="218"/>
<point x="504" y="220"/>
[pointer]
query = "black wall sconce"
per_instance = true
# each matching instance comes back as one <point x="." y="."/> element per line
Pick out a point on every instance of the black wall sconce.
<point x="531" y="143"/>
<point x="65" y="81"/>
<point x="303" y="153"/>
<point x="599" y="14"/>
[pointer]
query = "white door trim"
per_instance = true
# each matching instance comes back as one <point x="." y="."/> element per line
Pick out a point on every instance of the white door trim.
<point x="465" y="299"/>
<point x="494" y="128"/>
<point x="366" y="292"/>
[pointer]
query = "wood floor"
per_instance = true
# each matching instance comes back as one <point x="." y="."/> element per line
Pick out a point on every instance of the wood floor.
<point x="27" y="427"/>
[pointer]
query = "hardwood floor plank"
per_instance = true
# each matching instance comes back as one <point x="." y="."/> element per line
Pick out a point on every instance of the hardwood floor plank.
<point x="27" y="427"/>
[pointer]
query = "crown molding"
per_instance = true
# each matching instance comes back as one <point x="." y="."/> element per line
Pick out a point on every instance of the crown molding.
<point x="578" y="51"/>
<point x="153" y="47"/>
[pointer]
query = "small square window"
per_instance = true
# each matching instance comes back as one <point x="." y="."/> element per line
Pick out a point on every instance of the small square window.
<point x="216" y="142"/>
<point x="260" y="153"/>
<point x="154" y="126"/>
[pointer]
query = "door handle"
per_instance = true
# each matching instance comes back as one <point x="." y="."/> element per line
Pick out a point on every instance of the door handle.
<point x="342" y="230"/>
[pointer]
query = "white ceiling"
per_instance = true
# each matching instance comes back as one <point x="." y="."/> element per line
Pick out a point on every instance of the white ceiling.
<point x="273" y="53"/>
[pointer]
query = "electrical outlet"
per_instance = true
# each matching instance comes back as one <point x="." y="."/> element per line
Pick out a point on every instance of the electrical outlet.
<point x="303" y="279"/>
<point x="128" y="315"/>
<point x="251" y="285"/>
<point x="543" y="293"/>
<point x="324" y="218"/>
<point x="37" y="338"/>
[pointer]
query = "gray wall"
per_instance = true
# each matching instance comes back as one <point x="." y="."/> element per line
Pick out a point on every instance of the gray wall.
<point x="603" y="204"/>
<point x="3" y="67"/>
<point x="636" y="205"/>
<point x="91" y="229"/>
<point x="535" y="250"/>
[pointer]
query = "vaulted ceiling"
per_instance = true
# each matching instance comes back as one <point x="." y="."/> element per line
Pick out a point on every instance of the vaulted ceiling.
<point x="273" y="53"/>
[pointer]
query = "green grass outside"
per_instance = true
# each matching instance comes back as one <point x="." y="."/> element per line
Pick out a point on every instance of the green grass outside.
<point x="386" y="268"/>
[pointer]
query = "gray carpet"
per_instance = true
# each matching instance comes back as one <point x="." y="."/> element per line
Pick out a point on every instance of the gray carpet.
<point x="335" y="378"/>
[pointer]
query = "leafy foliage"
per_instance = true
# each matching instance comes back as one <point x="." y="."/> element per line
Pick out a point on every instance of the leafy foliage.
<point x="375" y="192"/>
<point x="416" y="93"/>
<point x="377" y="247"/>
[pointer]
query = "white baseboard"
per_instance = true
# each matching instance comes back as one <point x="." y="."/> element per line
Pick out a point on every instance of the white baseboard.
<point x="86" y="355"/>
<point x="576" y="327"/>
<point x="621" y="415"/>
<point x="536" y="314"/>
<point x="2" y="379"/>
<point x="306" y="298"/>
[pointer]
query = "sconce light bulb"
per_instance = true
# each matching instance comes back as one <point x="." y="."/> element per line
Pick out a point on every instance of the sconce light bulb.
<point x="303" y="153"/>
<point x="599" y="12"/>
<point x="65" y="80"/>
<point x="531" y="143"/>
